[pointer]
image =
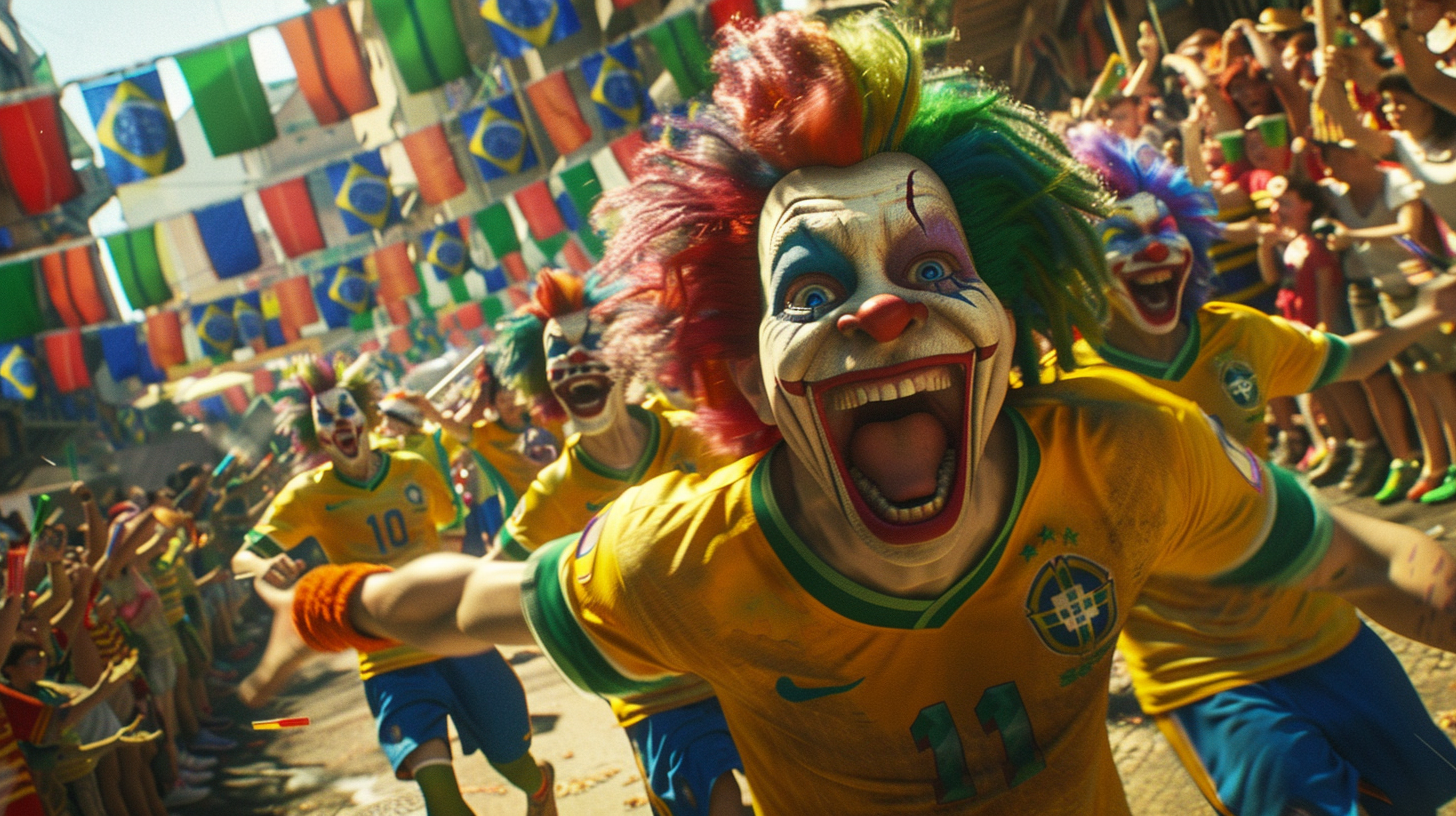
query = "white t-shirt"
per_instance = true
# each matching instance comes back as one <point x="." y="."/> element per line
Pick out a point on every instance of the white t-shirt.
<point x="1376" y="261"/>
<point x="1434" y="165"/>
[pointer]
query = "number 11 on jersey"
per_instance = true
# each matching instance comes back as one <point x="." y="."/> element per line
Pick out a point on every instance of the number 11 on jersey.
<point x="999" y="710"/>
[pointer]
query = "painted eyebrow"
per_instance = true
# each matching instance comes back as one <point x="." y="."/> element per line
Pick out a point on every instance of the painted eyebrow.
<point x="810" y="251"/>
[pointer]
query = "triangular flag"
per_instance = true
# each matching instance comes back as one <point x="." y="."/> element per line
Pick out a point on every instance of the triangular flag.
<point x="498" y="139"/>
<point x="520" y="25"/>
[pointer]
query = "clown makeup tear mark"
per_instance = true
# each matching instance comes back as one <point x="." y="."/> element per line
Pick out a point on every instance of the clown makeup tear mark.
<point x="910" y="200"/>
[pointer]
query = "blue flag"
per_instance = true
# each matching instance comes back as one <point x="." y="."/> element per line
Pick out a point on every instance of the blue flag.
<point x="445" y="251"/>
<point x="498" y="139"/>
<point x="228" y="238"/>
<point x="343" y="292"/>
<point x="615" y="79"/>
<point x="520" y="25"/>
<point x="362" y="193"/>
<point x="248" y="317"/>
<point x="133" y="125"/>
<point x="215" y="328"/>
<point x="17" y="372"/>
<point x="122" y="352"/>
<point x="495" y="279"/>
<point x="149" y="374"/>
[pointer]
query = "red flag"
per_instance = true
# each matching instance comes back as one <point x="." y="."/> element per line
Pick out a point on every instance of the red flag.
<point x="66" y="362"/>
<point x="332" y="73"/>
<point x="295" y="304"/>
<point x="399" y="340"/>
<point x="576" y="257"/>
<point x="540" y="210"/>
<point x="724" y="10"/>
<point x="625" y="151"/>
<point x="469" y="317"/>
<point x="291" y="214"/>
<point x="515" y="267"/>
<point x="434" y="165"/>
<point x="263" y="381"/>
<point x="397" y="278"/>
<point x="34" y="152"/>
<point x="164" y="340"/>
<point x="70" y="278"/>
<point x="398" y="311"/>
<point x="555" y="106"/>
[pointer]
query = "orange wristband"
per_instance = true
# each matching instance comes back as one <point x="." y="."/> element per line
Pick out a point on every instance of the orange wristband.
<point x="321" y="608"/>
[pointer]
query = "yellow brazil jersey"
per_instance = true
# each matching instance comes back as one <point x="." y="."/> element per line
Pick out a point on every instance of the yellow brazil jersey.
<point x="1187" y="640"/>
<point x="500" y="448"/>
<point x="431" y="444"/>
<point x="390" y="520"/>
<point x="568" y="492"/>
<point x="990" y="698"/>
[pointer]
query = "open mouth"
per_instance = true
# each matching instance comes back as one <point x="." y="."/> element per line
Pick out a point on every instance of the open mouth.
<point x="899" y="436"/>
<point x="346" y="442"/>
<point x="1155" y="291"/>
<point x="585" y="395"/>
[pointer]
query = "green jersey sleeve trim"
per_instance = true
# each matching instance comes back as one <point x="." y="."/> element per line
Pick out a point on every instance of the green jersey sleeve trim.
<point x="1335" y="360"/>
<point x="510" y="546"/>
<point x="261" y="544"/>
<point x="555" y="627"/>
<point x="1297" y="539"/>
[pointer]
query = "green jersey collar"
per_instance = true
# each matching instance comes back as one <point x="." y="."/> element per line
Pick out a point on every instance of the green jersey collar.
<point x="868" y="606"/>
<point x="632" y="475"/>
<point x="1172" y="370"/>
<point x="372" y="483"/>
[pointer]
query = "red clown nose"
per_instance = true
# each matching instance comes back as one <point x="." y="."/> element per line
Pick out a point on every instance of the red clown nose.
<point x="883" y="317"/>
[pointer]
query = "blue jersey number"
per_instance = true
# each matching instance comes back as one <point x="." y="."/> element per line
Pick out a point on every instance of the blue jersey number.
<point x="999" y="710"/>
<point x="393" y="530"/>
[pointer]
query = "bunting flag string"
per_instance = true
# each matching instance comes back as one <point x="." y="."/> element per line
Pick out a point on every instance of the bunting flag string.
<point x="680" y="47"/>
<point x="70" y="278"/>
<point x="133" y="126"/>
<point x="35" y="155"/>
<point x="66" y="360"/>
<point x="555" y="105"/>
<point x="434" y="164"/>
<point x="542" y="217"/>
<point x="342" y="293"/>
<point x="291" y="215"/>
<point x="445" y="251"/>
<point x="332" y="73"/>
<point x="228" y="238"/>
<point x="215" y="329"/>
<point x="120" y="349"/>
<point x="518" y="26"/>
<point x="23" y="316"/>
<point x="134" y="255"/>
<point x="164" y="340"/>
<point x="580" y="189"/>
<point x="17" y="370"/>
<point x="229" y="99"/>
<point x="248" y="320"/>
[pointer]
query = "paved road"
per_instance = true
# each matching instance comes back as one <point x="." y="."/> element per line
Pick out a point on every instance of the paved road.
<point x="335" y="767"/>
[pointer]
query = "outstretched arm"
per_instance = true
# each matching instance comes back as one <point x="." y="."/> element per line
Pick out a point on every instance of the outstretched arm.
<point x="1397" y="575"/>
<point x="1372" y="348"/>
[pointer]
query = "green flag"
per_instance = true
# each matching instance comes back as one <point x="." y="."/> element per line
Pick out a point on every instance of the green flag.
<point x="425" y="43"/>
<point x="459" y="292"/>
<point x="493" y="309"/>
<point x="551" y="246"/>
<point x="134" y="254"/>
<point x="584" y="188"/>
<point x="229" y="99"/>
<point x="23" y="317"/>
<point x="499" y="229"/>
<point x="679" y="44"/>
<point x="364" y="321"/>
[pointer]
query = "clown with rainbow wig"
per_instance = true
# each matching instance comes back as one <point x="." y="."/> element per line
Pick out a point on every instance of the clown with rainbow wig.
<point x="1273" y="698"/>
<point x="907" y="591"/>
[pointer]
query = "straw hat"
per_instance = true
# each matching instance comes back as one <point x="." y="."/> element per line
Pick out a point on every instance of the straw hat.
<point x="1280" y="20"/>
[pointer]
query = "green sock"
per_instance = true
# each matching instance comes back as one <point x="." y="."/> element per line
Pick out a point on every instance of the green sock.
<point x="522" y="773"/>
<point x="441" y="791"/>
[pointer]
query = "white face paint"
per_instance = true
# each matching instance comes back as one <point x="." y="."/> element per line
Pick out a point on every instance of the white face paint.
<point x="583" y="382"/>
<point x="339" y="424"/>
<point x="1149" y="260"/>
<point x="885" y="357"/>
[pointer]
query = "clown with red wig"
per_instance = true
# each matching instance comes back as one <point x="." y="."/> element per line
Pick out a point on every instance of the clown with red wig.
<point x="907" y="592"/>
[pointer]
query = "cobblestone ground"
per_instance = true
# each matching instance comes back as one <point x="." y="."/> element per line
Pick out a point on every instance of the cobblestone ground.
<point x="334" y="766"/>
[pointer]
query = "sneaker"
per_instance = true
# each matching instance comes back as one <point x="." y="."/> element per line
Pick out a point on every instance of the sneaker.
<point x="183" y="795"/>
<point x="1403" y="476"/>
<point x="194" y="779"/>
<point x="1331" y="469"/>
<point x="1369" y="465"/>
<point x="1425" y="485"/>
<point x="193" y="762"/>
<point x="544" y="804"/>
<point x="1446" y="492"/>
<point x="211" y="743"/>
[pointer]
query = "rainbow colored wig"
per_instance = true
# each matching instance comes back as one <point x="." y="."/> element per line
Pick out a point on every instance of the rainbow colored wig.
<point x="312" y="375"/>
<point x="520" y="354"/>
<point x="794" y="93"/>
<point x="1127" y="169"/>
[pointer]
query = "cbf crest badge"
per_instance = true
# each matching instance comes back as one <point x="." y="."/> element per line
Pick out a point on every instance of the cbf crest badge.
<point x="1072" y="605"/>
<point x="413" y="494"/>
<point x="1239" y="382"/>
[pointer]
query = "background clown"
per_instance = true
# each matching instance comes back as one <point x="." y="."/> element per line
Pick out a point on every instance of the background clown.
<point x="382" y="509"/>
<point x="1272" y="699"/>
<point x="879" y="648"/>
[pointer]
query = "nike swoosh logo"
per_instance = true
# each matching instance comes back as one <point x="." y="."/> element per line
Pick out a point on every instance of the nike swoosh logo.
<point x="798" y="694"/>
<point x="329" y="508"/>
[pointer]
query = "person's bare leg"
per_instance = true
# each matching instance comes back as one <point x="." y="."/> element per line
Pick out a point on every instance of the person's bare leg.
<point x="129" y="763"/>
<point x="149" y="780"/>
<point x="1388" y="407"/>
<point x="284" y="655"/>
<point x="726" y="798"/>
<point x="1428" y="422"/>
<point x="182" y="699"/>
<point x="167" y="708"/>
<point x="108" y="781"/>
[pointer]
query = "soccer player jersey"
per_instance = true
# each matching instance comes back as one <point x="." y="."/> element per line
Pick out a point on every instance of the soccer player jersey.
<point x="568" y="492"/>
<point x="992" y="695"/>
<point x="1187" y="640"/>
<point x="391" y="520"/>
<point x="499" y="447"/>
<point x="433" y="445"/>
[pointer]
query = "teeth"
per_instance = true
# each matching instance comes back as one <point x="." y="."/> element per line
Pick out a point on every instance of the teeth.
<point x="935" y="379"/>
<point x="907" y="515"/>
<point x="1155" y="277"/>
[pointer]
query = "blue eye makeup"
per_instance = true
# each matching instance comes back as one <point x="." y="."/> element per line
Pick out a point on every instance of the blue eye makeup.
<point x="810" y="277"/>
<point x="557" y="346"/>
